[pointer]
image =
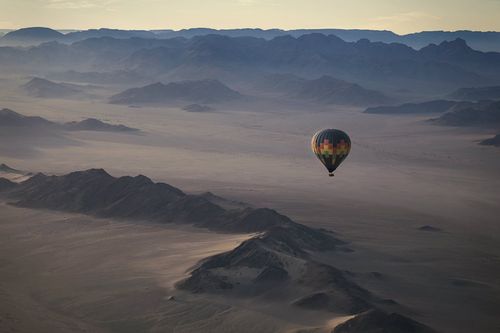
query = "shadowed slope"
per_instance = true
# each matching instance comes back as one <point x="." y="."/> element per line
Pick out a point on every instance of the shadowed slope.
<point x="95" y="192"/>
<point x="279" y="264"/>
<point x="375" y="321"/>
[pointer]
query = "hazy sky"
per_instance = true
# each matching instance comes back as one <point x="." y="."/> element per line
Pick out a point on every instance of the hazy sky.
<point x="401" y="16"/>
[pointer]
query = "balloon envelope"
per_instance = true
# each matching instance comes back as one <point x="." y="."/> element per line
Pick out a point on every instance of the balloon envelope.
<point x="331" y="146"/>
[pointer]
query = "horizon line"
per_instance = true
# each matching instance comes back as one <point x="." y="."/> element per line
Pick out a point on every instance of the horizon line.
<point x="252" y="28"/>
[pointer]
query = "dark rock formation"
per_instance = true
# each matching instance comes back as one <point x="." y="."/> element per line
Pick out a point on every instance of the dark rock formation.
<point x="376" y="321"/>
<point x="494" y="141"/>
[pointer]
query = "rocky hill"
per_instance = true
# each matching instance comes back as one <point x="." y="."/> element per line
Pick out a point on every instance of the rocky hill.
<point x="38" y="87"/>
<point x="97" y="193"/>
<point x="376" y="321"/>
<point x="13" y="119"/>
<point x="324" y="90"/>
<point x="198" y="91"/>
<point x="494" y="141"/>
<point x="12" y="175"/>
<point x="485" y="114"/>
<point x="328" y="90"/>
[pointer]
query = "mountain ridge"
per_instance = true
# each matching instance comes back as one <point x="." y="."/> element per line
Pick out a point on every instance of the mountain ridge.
<point x="309" y="56"/>
<point x="481" y="40"/>
<point x="482" y="114"/>
<point x="278" y="262"/>
<point x="103" y="195"/>
<point x="195" y="91"/>
<point x="12" y="118"/>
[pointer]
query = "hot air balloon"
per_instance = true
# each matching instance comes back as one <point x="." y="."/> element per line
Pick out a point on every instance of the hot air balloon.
<point x="331" y="146"/>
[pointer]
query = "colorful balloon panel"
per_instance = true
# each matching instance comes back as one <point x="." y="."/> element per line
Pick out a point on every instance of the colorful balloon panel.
<point x="331" y="146"/>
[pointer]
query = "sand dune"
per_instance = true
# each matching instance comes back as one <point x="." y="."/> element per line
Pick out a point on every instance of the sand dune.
<point x="71" y="273"/>
<point x="70" y="266"/>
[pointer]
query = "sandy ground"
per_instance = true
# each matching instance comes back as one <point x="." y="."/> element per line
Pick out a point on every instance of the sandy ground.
<point x="402" y="173"/>
<point x="71" y="273"/>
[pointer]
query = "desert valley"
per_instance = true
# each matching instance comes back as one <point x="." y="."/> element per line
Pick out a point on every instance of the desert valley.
<point x="162" y="181"/>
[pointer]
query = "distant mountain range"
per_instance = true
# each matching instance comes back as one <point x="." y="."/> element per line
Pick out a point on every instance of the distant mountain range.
<point x="103" y="32"/>
<point x="14" y="119"/>
<point x="280" y="262"/>
<point x="449" y="65"/>
<point x="480" y="40"/>
<point x="193" y="91"/>
<point x="484" y="41"/>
